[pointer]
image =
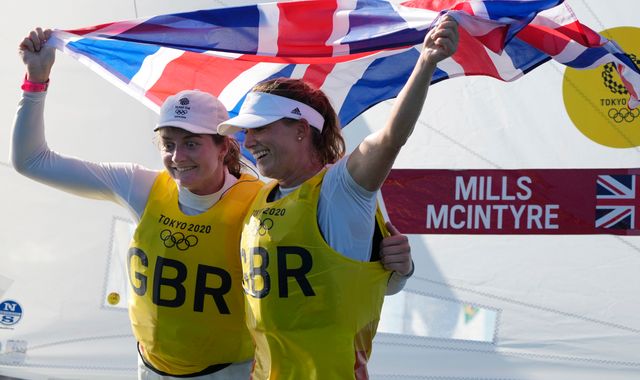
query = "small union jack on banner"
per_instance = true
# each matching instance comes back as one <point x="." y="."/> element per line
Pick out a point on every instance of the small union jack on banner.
<point x="616" y="200"/>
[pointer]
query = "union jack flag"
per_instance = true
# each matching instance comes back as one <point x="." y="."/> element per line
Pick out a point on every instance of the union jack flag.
<point x="617" y="197"/>
<point x="359" y="52"/>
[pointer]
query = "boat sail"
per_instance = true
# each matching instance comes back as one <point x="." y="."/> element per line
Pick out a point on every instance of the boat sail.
<point x="479" y="306"/>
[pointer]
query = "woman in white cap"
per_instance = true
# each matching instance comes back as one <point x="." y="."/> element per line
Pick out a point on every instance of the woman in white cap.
<point x="313" y="294"/>
<point x="185" y="328"/>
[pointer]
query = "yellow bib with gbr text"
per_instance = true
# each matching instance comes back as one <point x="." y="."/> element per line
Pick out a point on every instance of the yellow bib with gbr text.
<point x="186" y="305"/>
<point x="312" y="311"/>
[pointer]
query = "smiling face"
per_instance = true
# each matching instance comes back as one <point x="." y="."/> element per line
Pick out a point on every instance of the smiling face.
<point x="194" y="161"/>
<point x="273" y="148"/>
<point x="282" y="152"/>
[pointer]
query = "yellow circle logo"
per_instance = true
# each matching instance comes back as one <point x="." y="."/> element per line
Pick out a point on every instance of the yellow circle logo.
<point x="113" y="298"/>
<point x="596" y="100"/>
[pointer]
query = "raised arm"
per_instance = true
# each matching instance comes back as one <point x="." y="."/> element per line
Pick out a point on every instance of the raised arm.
<point x="28" y="144"/>
<point x="371" y="161"/>
<point x="126" y="184"/>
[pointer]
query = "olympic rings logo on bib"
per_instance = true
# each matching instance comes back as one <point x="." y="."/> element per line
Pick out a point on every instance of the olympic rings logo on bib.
<point x="265" y="226"/>
<point x="178" y="240"/>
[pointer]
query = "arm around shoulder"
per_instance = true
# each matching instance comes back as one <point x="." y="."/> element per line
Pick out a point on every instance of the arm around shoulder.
<point x="395" y="255"/>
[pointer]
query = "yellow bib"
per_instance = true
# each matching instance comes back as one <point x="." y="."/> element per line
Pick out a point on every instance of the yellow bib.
<point x="312" y="312"/>
<point x="186" y="304"/>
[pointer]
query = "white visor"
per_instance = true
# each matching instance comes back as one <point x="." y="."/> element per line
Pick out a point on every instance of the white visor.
<point x="260" y="109"/>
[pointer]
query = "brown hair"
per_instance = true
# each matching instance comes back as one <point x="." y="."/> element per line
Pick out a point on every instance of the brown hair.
<point x="232" y="158"/>
<point x="329" y="143"/>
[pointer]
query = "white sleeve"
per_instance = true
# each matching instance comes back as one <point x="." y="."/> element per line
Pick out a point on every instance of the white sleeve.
<point x="124" y="183"/>
<point x="346" y="217"/>
<point x="346" y="213"/>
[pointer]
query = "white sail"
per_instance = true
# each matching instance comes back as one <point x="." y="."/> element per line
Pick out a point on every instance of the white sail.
<point x="477" y="307"/>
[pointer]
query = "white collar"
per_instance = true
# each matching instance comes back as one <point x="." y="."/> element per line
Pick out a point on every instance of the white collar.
<point x="193" y="204"/>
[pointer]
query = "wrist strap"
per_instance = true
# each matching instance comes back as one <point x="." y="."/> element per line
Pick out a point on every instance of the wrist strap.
<point x="30" y="86"/>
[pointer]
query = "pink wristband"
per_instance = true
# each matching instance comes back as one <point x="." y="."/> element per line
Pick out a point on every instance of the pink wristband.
<point x="30" y="86"/>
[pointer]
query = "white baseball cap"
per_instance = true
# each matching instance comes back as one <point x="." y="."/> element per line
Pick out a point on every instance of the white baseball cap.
<point x="194" y="111"/>
<point x="260" y="109"/>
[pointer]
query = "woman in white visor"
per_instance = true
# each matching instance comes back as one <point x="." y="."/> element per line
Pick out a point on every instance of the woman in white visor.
<point x="313" y="294"/>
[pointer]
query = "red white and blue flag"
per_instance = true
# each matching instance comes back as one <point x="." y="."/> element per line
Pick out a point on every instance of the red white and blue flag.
<point x="359" y="52"/>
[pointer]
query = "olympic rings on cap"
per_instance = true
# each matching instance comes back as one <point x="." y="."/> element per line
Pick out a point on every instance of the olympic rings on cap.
<point x="178" y="240"/>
